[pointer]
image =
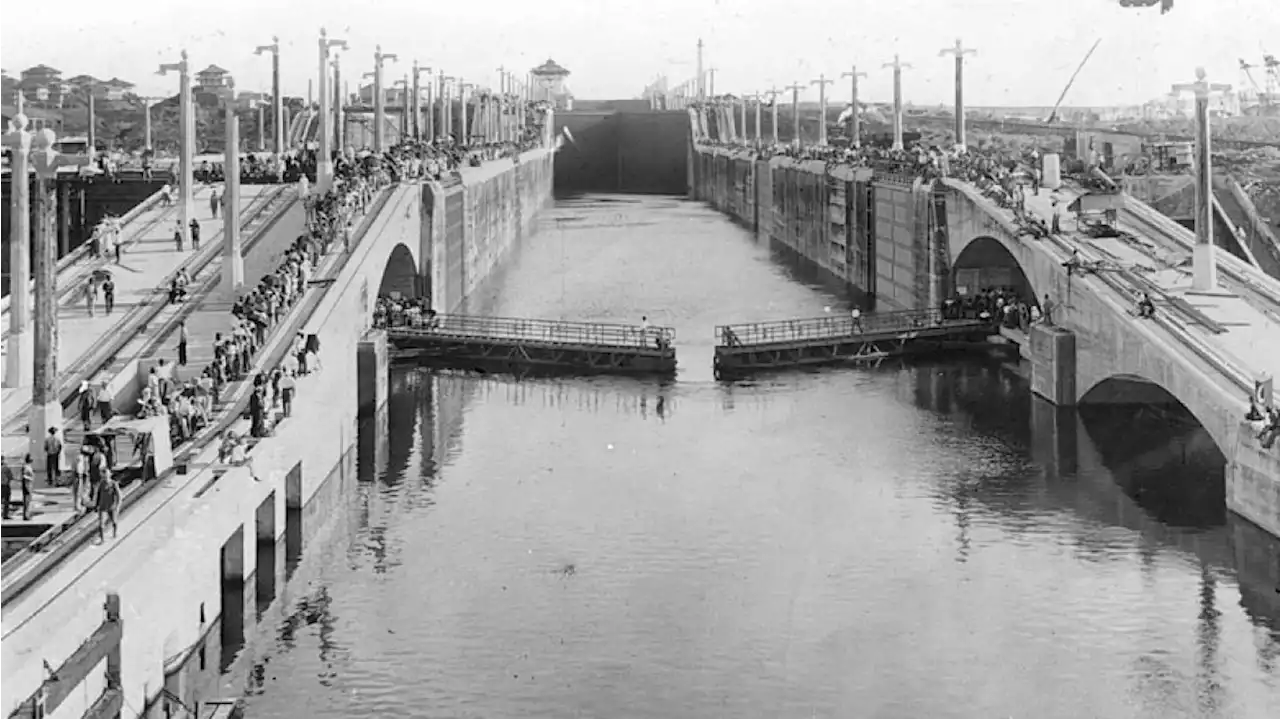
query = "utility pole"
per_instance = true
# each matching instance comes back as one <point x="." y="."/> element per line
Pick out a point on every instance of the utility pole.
<point x="379" y="102"/>
<point x="822" y="83"/>
<point x="795" y="111"/>
<point x="446" y="105"/>
<point x="17" y="360"/>
<point x="464" y="132"/>
<point x="187" y="145"/>
<point x="702" y="90"/>
<point x="324" y="155"/>
<point x="855" y="138"/>
<point x="233" y="259"/>
<point x="711" y="91"/>
<point x="959" y="51"/>
<point x="277" y="101"/>
<point x="502" y="103"/>
<point x="897" y="66"/>
<point x="339" y="113"/>
<point x="417" y="101"/>
<point x="1204" y="262"/>
<point x="773" y="93"/>
<point x="46" y="407"/>
<point x="146" y="121"/>
<point x="759" y="129"/>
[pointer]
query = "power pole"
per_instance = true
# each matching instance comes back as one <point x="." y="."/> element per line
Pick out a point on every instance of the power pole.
<point x="379" y="102"/>
<point x="1204" y="262"/>
<point x="773" y="93"/>
<point x="855" y="139"/>
<point x="757" y="97"/>
<point x="186" y="145"/>
<point x="822" y="83"/>
<point x="233" y="260"/>
<point x="277" y="99"/>
<point x="959" y="51"/>
<point x="897" y="66"/>
<point x="324" y="155"/>
<point x="795" y="111"/>
<point x="702" y="95"/>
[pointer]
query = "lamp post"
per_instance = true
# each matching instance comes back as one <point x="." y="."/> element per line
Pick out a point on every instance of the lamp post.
<point x="773" y="93"/>
<point x="379" y="101"/>
<point x="756" y="98"/>
<point x="417" y="101"/>
<point x="186" y="143"/>
<point x="233" y="259"/>
<point x="146" y="120"/>
<point x="822" y="83"/>
<point x="464" y="132"/>
<point x="46" y="405"/>
<point x="855" y="132"/>
<point x="339" y="112"/>
<point x="795" y="110"/>
<point x="404" y="102"/>
<point x="702" y="90"/>
<point x="1204" y="262"/>
<point x="959" y="51"/>
<point x="897" y="66"/>
<point x="277" y="100"/>
<point x="17" y="360"/>
<point x="324" y="155"/>
<point x="446" y="105"/>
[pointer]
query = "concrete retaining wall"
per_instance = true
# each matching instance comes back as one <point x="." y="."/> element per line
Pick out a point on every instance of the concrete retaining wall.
<point x="872" y="235"/>
<point x="468" y="229"/>
<point x="204" y="528"/>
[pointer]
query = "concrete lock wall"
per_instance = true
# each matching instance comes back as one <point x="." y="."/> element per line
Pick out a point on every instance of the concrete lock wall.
<point x="619" y="151"/>
<point x="170" y="572"/>
<point x="876" y="237"/>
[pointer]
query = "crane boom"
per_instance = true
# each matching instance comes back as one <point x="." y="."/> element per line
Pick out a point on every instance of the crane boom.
<point x="1053" y="115"/>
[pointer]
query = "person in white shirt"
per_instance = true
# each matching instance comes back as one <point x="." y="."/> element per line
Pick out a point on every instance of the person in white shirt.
<point x="856" y="316"/>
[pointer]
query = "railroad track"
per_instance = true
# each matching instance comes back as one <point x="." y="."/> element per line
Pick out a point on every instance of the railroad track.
<point x="1261" y="291"/>
<point x="68" y="286"/>
<point x="25" y="569"/>
<point x="149" y="309"/>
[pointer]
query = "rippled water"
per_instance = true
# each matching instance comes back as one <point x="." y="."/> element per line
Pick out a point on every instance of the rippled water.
<point x="901" y="542"/>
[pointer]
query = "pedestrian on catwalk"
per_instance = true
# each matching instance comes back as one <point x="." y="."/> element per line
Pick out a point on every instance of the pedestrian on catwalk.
<point x="177" y="234"/>
<point x="90" y="294"/>
<point x="195" y="234"/>
<point x="182" y="343"/>
<point x="213" y="203"/>
<point x="109" y="294"/>
<point x="53" y="457"/>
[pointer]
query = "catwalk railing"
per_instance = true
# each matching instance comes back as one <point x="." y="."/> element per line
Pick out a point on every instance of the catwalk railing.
<point x="514" y="330"/>
<point x="830" y="327"/>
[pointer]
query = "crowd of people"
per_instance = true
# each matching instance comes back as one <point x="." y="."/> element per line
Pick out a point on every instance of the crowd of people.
<point x="189" y="398"/>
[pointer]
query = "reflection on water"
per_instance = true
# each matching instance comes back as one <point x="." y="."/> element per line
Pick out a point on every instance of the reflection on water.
<point x="902" y="542"/>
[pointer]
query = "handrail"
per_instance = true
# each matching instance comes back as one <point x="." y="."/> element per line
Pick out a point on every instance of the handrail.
<point x="596" y="334"/>
<point x="831" y="327"/>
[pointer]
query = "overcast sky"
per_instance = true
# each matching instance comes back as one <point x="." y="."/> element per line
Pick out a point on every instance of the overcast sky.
<point x="1027" y="48"/>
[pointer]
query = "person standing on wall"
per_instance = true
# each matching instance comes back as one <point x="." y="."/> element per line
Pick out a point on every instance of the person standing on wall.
<point x="182" y="343"/>
<point x="53" y="457"/>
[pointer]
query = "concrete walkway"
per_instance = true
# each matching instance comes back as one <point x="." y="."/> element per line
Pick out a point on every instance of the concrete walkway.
<point x="1252" y="339"/>
<point x="150" y="260"/>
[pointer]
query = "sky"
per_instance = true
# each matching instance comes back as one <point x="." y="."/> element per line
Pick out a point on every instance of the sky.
<point x="1027" y="49"/>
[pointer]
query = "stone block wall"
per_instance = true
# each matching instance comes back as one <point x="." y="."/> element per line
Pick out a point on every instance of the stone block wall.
<point x="877" y="236"/>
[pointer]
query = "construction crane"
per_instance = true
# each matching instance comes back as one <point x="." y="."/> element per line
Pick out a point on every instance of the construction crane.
<point x="1245" y="67"/>
<point x="1053" y="114"/>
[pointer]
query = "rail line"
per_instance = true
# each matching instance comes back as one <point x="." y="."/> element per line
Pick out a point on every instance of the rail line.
<point x="141" y="314"/>
<point x="82" y="258"/>
<point x="28" y="567"/>
<point x="1262" y="291"/>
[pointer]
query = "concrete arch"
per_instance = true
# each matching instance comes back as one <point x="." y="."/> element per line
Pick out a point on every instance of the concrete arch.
<point x="1134" y="388"/>
<point x="985" y="261"/>
<point x="400" y="274"/>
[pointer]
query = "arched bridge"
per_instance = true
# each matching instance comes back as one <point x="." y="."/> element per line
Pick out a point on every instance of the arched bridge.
<point x="1204" y="350"/>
